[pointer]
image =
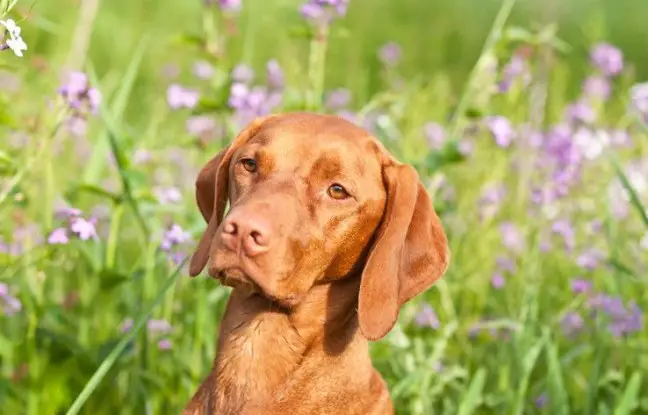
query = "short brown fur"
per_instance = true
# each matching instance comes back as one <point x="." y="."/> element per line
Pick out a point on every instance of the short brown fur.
<point x="324" y="275"/>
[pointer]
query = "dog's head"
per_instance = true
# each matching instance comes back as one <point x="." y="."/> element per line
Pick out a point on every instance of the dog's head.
<point x="314" y="198"/>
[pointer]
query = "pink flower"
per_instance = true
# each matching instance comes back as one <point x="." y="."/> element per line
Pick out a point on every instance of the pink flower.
<point x="58" y="236"/>
<point x="179" y="97"/>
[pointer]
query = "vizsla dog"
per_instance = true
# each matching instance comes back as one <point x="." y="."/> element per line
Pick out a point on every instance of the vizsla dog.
<point x="327" y="236"/>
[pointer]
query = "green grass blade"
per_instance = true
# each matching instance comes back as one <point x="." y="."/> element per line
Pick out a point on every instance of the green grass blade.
<point x="118" y="107"/>
<point x="493" y="36"/>
<point x="471" y="399"/>
<point x="559" y="400"/>
<point x="110" y="360"/>
<point x="634" y="196"/>
<point x="528" y="363"/>
<point x="122" y="167"/>
<point x="628" y="401"/>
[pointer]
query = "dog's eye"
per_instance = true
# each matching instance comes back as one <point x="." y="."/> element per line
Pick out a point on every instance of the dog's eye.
<point x="249" y="165"/>
<point x="337" y="192"/>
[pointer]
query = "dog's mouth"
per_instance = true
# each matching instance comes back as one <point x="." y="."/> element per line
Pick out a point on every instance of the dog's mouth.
<point x="237" y="278"/>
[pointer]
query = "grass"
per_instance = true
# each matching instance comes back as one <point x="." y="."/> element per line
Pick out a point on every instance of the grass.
<point x="111" y="324"/>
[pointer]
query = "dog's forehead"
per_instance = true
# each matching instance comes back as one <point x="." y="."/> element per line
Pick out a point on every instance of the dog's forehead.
<point x="319" y="144"/>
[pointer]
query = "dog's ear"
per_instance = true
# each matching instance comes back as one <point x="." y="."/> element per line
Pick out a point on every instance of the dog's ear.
<point x="409" y="253"/>
<point x="212" y="189"/>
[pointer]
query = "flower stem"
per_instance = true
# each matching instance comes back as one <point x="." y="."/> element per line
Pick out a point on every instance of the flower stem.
<point x="111" y="248"/>
<point x="316" y="66"/>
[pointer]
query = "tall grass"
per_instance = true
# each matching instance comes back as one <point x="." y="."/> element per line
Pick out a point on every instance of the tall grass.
<point x="541" y="309"/>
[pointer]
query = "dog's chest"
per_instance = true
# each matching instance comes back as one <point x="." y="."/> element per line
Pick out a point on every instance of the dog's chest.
<point x="255" y="360"/>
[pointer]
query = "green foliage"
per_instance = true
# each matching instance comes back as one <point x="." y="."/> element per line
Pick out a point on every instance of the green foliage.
<point x="84" y="338"/>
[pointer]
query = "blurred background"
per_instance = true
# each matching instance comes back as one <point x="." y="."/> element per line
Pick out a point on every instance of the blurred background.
<point x="527" y="121"/>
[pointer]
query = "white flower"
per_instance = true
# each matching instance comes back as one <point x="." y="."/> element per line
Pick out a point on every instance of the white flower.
<point x="15" y="41"/>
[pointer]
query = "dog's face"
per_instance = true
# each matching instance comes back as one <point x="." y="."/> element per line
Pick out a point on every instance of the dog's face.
<point x="314" y="198"/>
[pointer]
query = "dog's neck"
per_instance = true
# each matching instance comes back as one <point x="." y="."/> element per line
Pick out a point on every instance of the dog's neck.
<point x="262" y="350"/>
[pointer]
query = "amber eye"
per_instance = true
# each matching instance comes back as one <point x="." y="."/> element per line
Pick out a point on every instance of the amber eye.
<point x="249" y="165"/>
<point x="337" y="192"/>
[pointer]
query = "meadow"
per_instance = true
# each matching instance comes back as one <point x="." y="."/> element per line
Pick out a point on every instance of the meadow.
<point x="527" y="120"/>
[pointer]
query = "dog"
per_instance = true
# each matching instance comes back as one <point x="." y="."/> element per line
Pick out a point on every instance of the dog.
<point x="326" y="237"/>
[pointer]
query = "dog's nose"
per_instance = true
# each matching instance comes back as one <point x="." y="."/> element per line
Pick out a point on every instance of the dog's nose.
<point x="250" y="232"/>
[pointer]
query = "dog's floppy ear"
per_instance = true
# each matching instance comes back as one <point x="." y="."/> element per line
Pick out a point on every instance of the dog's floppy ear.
<point x="409" y="253"/>
<point x="212" y="189"/>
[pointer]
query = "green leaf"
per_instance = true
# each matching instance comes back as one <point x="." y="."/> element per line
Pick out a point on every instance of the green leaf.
<point x="111" y="278"/>
<point x="95" y="190"/>
<point x="473" y="396"/>
<point x="630" y="398"/>
<point x="190" y="39"/>
<point x="300" y="32"/>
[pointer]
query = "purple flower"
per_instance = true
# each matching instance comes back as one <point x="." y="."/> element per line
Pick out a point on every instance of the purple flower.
<point x="639" y="100"/>
<point x="622" y="320"/>
<point x="497" y="280"/>
<point x="76" y="126"/>
<point x="76" y="92"/>
<point x="607" y="58"/>
<point x="179" y="97"/>
<point x="94" y="99"/>
<point x="517" y="68"/>
<point x="541" y="401"/>
<point x="494" y="194"/>
<point x="203" y="70"/>
<point x="589" y="259"/>
<point x="11" y="305"/>
<point x="501" y="129"/>
<point x="84" y="229"/>
<point x="167" y="195"/>
<point x="620" y="138"/>
<point x="338" y="99"/>
<point x="491" y="200"/>
<point x="58" y="236"/>
<point x="390" y="54"/>
<point x="158" y="326"/>
<point x="580" y="112"/>
<point x="141" y="156"/>
<point x="275" y="75"/>
<point x="250" y="103"/>
<point x="595" y="226"/>
<point x="580" y="286"/>
<point x="126" y="325"/>
<point x="435" y="135"/>
<point x="67" y="212"/>
<point x="164" y="344"/>
<point x="242" y="74"/>
<point x="76" y="85"/>
<point x="427" y="318"/>
<point x="322" y="12"/>
<point x="201" y="125"/>
<point x="571" y="323"/>
<point x="174" y="236"/>
<point x="597" y="86"/>
<point x="505" y="264"/>
<point x="230" y="5"/>
<point x="466" y="147"/>
<point x="512" y="239"/>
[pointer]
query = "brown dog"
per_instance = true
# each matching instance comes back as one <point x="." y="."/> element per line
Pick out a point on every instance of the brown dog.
<point x="326" y="238"/>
